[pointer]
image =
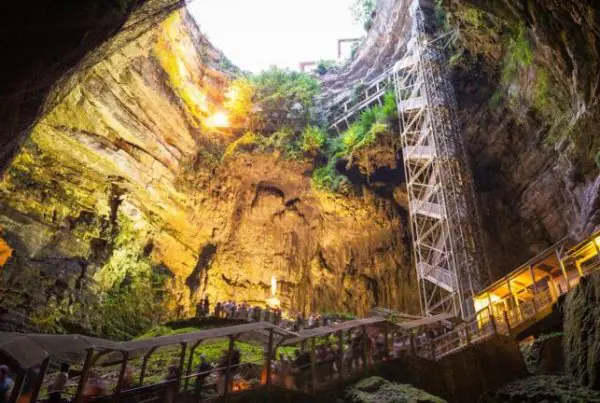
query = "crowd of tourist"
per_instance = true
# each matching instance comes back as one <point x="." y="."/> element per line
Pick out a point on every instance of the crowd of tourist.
<point x="244" y="311"/>
<point x="295" y="372"/>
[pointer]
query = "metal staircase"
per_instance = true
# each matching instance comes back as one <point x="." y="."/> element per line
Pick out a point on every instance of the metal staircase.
<point x="445" y="225"/>
<point x="444" y="218"/>
<point x="371" y="95"/>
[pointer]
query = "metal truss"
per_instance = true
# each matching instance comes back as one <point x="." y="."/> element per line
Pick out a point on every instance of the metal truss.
<point x="445" y="223"/>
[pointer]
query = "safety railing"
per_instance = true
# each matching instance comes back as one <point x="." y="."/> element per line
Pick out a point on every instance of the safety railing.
<point x="372" y="93"/>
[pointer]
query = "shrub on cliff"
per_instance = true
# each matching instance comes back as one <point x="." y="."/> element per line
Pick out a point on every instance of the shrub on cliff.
<point x="239" y="100"/>
<point x="371" y="123"/>
<point x="363" y="12"/>
<point x="327" y="177"/>
<point x="283" y="97"/>
<point x="272" y="99"/>
<point x="248" y="142"/>
<point x="313" y="139"/>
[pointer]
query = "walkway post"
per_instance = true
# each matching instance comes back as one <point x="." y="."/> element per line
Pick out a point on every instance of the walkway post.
<point x="189" y="366"/>
<point x="228" y="370"/>
<point x="514" y="296"/>
<point x="432" y="347"/>
<point x="87" y="364"/>
<point x="493" y="320"/>
<point x="16" y="391"/>
<point x="597" y="249"/>
<point x="413" y="348"/>
<point x="535" y="307"/>
<point x="117" y="394"/>
<point x="313" y="366"/>
<point x="365" y="349"/>
<point x="508" y="328"/>
<point x="340" y="363"/>
<point x="562" y="268"/>
<point x="181" y="366"/>
<point x="270" y="354"/>
<point x="468" y="333"/>
<point x="145" y="364"/>
<point x="386" y="348"/>
<point x="578" y="266"/>
<point x="40" y="380"/>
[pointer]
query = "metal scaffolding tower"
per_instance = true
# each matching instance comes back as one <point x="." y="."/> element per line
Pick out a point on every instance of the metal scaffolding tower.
<point x="445" y="223"/>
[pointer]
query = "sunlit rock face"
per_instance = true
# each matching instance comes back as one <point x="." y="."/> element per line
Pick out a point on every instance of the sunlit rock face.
<point x="99" y="187"/>
<point x="124" y="180"/>
<point x="328" y="252"/>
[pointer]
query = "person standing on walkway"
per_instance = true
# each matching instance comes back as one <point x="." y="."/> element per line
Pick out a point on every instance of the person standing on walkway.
<point x="206" y="306"/>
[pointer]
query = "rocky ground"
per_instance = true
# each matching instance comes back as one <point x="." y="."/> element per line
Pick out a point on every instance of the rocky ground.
<point x="374" y="389"/>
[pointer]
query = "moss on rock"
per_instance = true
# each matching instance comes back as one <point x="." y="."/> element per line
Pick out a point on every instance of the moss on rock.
<point x="379" y="390"/>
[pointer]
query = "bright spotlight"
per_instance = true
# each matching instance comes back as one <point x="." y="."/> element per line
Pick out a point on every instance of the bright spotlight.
<point x="219" y="119"/>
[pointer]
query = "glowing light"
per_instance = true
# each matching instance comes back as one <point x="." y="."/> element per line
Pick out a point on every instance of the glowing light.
<point x="598" y="241"/>
<point x="5" y="252"/>
<point x="482" y="301"/>
<point x="273" y="301"/>
<point x="219" y="119"/>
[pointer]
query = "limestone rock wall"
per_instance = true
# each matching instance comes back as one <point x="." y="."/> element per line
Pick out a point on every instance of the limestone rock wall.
<point x="529" y="111"/>
<point x="582" y="332"/>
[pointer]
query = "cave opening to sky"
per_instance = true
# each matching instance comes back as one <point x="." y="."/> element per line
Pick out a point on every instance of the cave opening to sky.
<point x="258" y="34"/>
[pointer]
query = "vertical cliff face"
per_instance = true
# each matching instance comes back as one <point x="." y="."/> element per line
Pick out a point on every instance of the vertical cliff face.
<point x="96" y="195"/>
<point x="526" y="81"/>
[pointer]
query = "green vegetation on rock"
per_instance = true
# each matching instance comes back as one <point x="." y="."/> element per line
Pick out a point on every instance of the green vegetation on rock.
<point x="324" y="66"/>
<point x="379" y="390"/>
<point x="313" y="139"/>
<point x="362" y="133"/>
<point x="518" y="53"/>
